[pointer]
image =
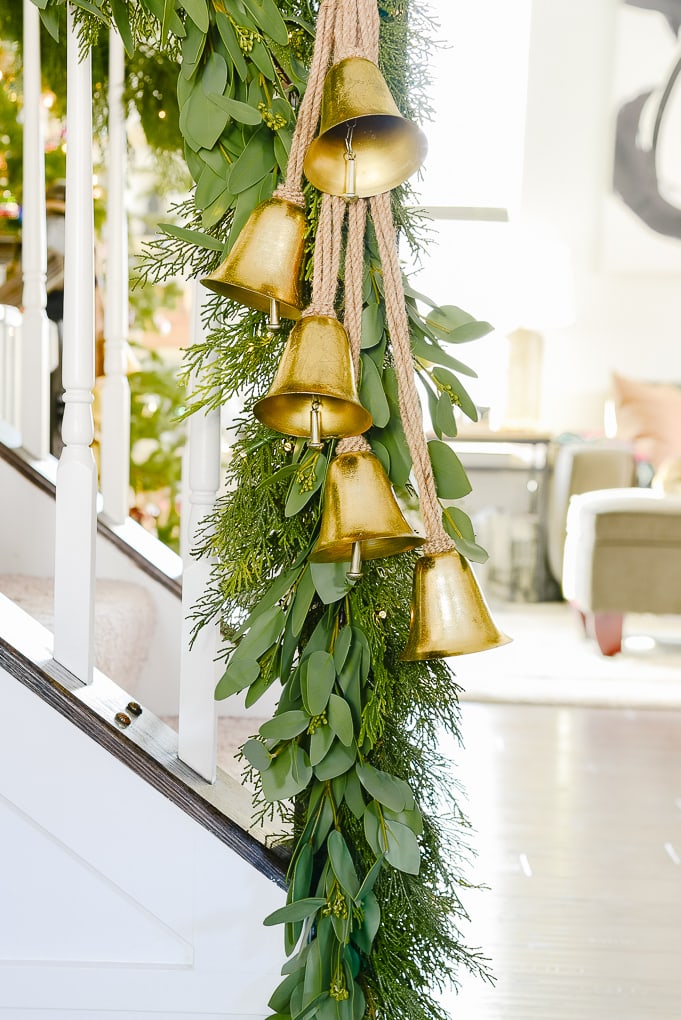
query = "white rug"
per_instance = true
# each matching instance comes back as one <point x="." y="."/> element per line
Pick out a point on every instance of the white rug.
<point x="551" y="662"/>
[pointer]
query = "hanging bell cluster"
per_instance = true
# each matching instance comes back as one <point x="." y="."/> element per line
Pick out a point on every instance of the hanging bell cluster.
<point x="449" y="615"/>
<point x="263" y="269"/>
<point x="361" y="518"/>
<point x="313" y="392"/>
<point x="365" y="146"/>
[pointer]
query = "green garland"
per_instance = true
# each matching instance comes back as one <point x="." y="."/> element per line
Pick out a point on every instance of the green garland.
<point x="376" y="835"/>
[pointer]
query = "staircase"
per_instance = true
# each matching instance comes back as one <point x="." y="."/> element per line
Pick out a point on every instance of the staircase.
<point x="131" y="887"/>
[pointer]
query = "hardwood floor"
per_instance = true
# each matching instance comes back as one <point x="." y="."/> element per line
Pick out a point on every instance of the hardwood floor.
<point x="577" y="815"/>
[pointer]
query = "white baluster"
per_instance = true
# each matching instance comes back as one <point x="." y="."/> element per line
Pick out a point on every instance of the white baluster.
<point x="74" y="586"/>
<point x="199" y="672"/>
<point x="115" y="424"/>
<point x="35" y="367"/>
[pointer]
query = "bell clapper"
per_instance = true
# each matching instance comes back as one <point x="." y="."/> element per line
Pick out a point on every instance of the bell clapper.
<point x="350" y="166"/>
<point x="275" y="322"/>
<point x="355" y="571"/>
<point x="315" y="442"/>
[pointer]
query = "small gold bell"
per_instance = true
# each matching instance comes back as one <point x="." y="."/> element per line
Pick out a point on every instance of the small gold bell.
<point x="365" y="146"/>
<point x="263" y="269"/>
<point x="313" y="392"/>
<point x="360" y="515"/>
<point x="449" y="615"/>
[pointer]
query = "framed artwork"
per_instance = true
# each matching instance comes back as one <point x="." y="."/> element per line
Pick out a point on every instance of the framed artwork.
<point x="642" y="221"/>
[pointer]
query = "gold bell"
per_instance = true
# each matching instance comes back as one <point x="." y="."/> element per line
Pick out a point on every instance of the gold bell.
<point x="360" y="515"/>
<point x="263" y="269"/>
<point x="449" y="615"/>
<point x="365" y="146"/>
<point x="313" y="392"/>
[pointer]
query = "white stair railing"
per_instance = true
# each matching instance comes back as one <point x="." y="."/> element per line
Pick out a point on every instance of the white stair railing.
<point x="10" y="364"/>
<point x="34" y="404"/>
<point x="199" y="670"/>
<point x="76" y="509"/>
<point x="115" y="407"/>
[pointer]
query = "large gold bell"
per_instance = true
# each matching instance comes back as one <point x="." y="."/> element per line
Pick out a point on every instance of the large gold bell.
<point x="360" y="515"/>
<point x="263" y="269"/>
<point x="449" y="615"/>
<point x="365" y="146"/>
<point x="313" y="393"/>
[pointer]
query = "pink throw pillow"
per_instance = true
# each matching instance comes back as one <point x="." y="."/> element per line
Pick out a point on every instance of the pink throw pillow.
<point x="649" y="416"/>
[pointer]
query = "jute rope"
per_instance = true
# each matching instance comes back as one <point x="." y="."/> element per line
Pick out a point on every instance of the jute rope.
<point x="327" y="255"/>
<point x="308" y="115"/>
<point x="354" y="279"/>
<point x="410" y="407"/>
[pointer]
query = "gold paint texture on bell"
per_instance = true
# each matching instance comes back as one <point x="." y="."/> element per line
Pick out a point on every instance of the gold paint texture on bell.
<point x="449" y="615"/>
<point x="263" y="269"/>
<point x="387" y="147"/>
<point x="360" y="507"/>
<point x="313" y="392"/>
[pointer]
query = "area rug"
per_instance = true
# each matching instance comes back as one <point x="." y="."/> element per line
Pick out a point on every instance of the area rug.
<point x="551" y="662"/>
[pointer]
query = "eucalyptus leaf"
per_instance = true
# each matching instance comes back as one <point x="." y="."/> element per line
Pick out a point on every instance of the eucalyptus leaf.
<point x="330" y="581"/>
<point x="228" y="36"/>
<point x="373" y="325"/>
<point x="317" y="681"/>
<point x="457" y="391"/>
<point x="433" y="354"/>
<point x="324" y="823"/>
<point x="241" y="112"/>
<point x="281" y="996"/>
<point x="339" y="759"/>
<point x="260" y="56"/>
<point x="320" y="744"/>
<point x="200" y="120"/>
<point x="353" y="795"/>
<point x="302" y="601"/>
<point x="444" y="421"/>
<point x="254" y="163"/>
<point x="198" y="12"/>
<point x="451" y="480"/>
<point x="373" y="828"/>
<point x="240" y="673"/>
<point x="119" y="10"/>
<point x="341" y="647"/>
<point x="213" y="213"/>
<point x="372" y="395"/>
<point x="208" y="187"/>
<point x="456" y="326"/>
<point x="257" y="754"/>
<point x="457" y="524"/>
<point x="193" y="46"/>
<point x="388" y="790"/>
<point x="298" y="497"/>
<point x="263" y="632"/>
<point x="340" y="719"/>
<point x="380" y="451"/>
<point x="196" y="237"/>
<point x="342" y="864"/>
<point x="403" y="850"/>
<point x="313" y="974"/>
<point x="267" y="16"/>
<point x="366" y="933"/>
<point x="296" y="911"/>
<point x="284" y="726"/>
<point x="289" y="774"/>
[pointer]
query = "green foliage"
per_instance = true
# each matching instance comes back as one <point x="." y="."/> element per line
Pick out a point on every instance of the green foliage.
<point x="376" y="835"/>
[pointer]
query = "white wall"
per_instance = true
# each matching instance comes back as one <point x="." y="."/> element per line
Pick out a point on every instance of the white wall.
<point x="626" y="321"/>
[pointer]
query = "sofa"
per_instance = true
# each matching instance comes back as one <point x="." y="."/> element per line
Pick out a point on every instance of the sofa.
<point x="614" y="514"/>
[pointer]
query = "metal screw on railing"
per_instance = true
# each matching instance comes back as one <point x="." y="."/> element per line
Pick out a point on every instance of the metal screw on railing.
<point x="122" y="719"/>
<point x="134" y="708"/>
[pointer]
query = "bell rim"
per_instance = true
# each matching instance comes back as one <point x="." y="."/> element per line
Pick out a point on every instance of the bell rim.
<point x="341" y="552"/>
<point x="265" y="411"/>
<point x="416" y="655"/>
<point x="257" y="299"/>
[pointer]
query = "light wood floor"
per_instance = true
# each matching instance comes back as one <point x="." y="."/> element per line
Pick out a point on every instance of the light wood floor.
<point x="577" y="815"/>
